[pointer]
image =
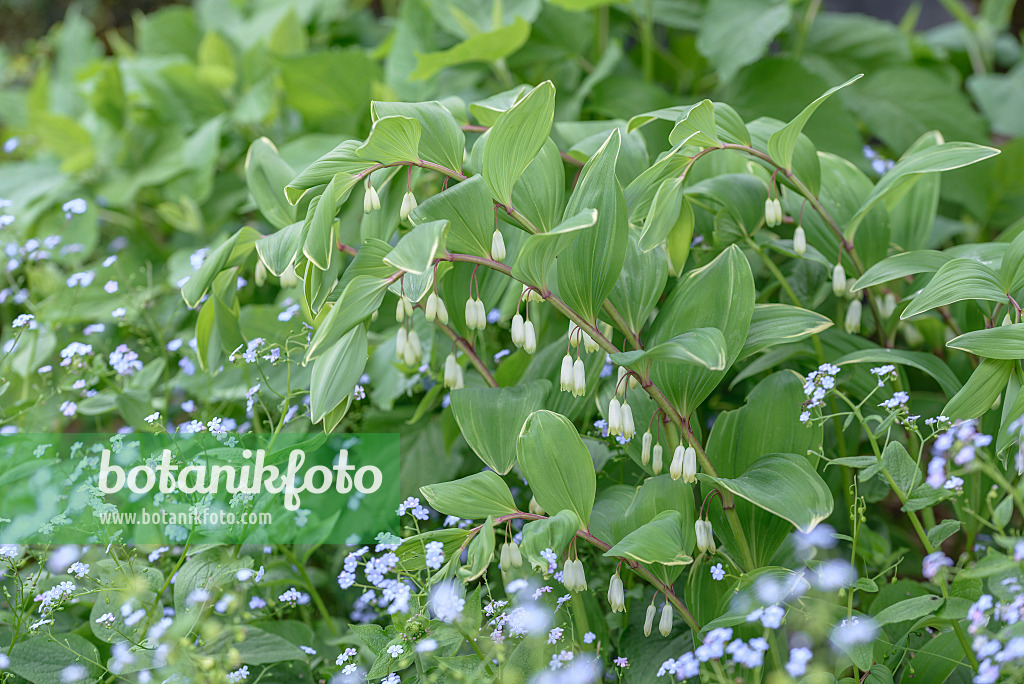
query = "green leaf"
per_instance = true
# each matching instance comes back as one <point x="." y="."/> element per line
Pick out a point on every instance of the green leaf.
<point x="902" y="265"/>
<point x="342" y="159"/>
<point x="483" y="47"/>
<point x="256" y="646"/>
<point x="361" y="297"/>
<point x="981" y="390"/>
<point x="480" y="553"/>
<point x="1012" y="268"/>
<point x="588" y="269"/>
<point x="474" y="497"/>
<point x="656" y="495"/>
<point x="696" y="126"/>
<point x="336" y="372"/>
<point x="557" y="465"/>
<point x="943" y="531"/>
<point x="896" y="182"/>
<point x="913" y="217"/>
<point x="956" y="281"/>
<point x="231" y="252"/>
<point x="441" y="138"/>
<point x="703" y="347"/>
<point x="491" y="419"/>
<point x="553" y="533"/>
<point x="319" y="244"/>
<point x="267" y="174"/>
<point x="415" y="252"/>
<point x="782" y="142"/>
<point x="538" y="252"/>
<point x="392" y="139"/>
<point x="773" y="324"/>
<point x="904" y="470"/>
<point x="41" y="659"/>
<point x="640" y="284"/>
<point x="785" y="485"/>
<point x="735" y="33"/>
<point x="516" y="138"/>
<point x="539" y="194"/>
<point x="663" y="214"/>
<point x="1004" y="342"/>
<point x="468" y="208"/>
<point x="717" y="295"/>
<point x="489" y="109"/>
<point x="277" y="251"/>
<point x="922" y="361"/>
<point x="909" y="609"/>
<point x="659" y="541"/>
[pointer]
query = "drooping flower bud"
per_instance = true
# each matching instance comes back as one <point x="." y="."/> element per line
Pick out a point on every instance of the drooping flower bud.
<point x="589" y="344"/>
<point x="408" y="204"/>
<point x="450" y="371"/>
<point x="579" y="378"/>
<point x="769" y="213"/>
<point x="839" y="280"/>
<point x="407" y="303"/>
<point x="616" y="595"/>
<point x="620" y="387"/>
<point x="580" y="576"/>
<point x="531" y="295"/>
<point x="800" y="241"/>
<point x="518" y="331"/>
<point x="1007" y="320"/>
<point x="442" y="312"/>
<point x="401" y="341"/>
<point x="569" y="574"/>
<point x="413" y="350"/>
<point x="887" y="307"/>
<point x="645" y="447"/>
<point x="504" y="559"/>
<point x="460" y="380"/>
<point x="656" y="459"/>
<point x="565" y="377"/>
<point x="676" y="468"/>
<point x="574" y="335"/>
<point x="614" y="418"/>
<point x="471" y="314"/>
<point x="481" y="315"/>
<point x="497" y="246"/>
<point x="529" y="338"/>
<point x="690" y="465"/>
<point x="665" y="624"/>
<point x="628" y="429"/>
<point x="649" y="619"/>
<point x="534" y="507"/>
<point x="853" y="313"/>
<point x="705" y="537"/>
<point x="371" y="202"/>
<point x="514" y="555"/>
<point x="430" y="309"/>
<point x="260" y="275"/>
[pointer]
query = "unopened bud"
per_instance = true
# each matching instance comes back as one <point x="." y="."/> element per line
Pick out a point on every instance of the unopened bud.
<point x="616" y="595"/>
<point x="529" y="338"/>
<point x="518" y="330"/>
<point x="665" y="625"/>
<point x="628" y="429"/>
<point x="705" y="537"/>
<point x="471" y="314"/>
<point x="574" y="335"/>
<point x="430" y="309"/>
<point x="260" y="276"/>
<point x="534" y="507"/>
<point x="399" y="311"/>
<point x="620" y="387"/>
<point x="514" y="555"/>
<point x="442" y="312"/>
<point x="690" y="465"/>
<point x="407" y="303"/>
<point x="839" y="280"/>
<point x="497" y="246"/>
<point x="579" y="378"/>
<point x="853" y="313"/>
<point x="504" y="559"/>
<point x="401" y="342"/>
<point x="799" y="241"/>
<point x="887" y="307"/>
<point x="649" y="619"/>
<point x="676" y="468"/>
<point x="450" y="371"/>
<point x="656" y="459"/>
<point x="1007" y="320"/>
<point x="408" y="204"/>
<point x="645" y="447"/>
<point x="614" y="418"/>
<point x="589" y="344"/>
<point x="565" y="376"/>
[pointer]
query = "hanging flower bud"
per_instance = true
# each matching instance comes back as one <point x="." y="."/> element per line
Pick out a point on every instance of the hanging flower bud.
<point x="460" y="380"/>
<point x="574" y="335"/>
<point x="504" y="559"/>
<point x="370" y="199"/>
<point x="633" y="382"/>
<point x="399" y="311"/>
<point x="676" y="468"/>
<point x="534" y="507"/>
<point x="628" y="429"/>
<point x="690" y="465"/>
<point x="620" y="387"/>
<point x="408" y="204"/>
<point x="288" y="278"/>
<point x="853" y="313"/>
<point x="705" y="537"/>
<point x="413" y="350"/>
<point x="838" y="280"/>
<point x="481" y="315"/>
<point x="580" y="576"/>
<point x="518" y="331"/>
<point x="407" y="303"/>
<point x="531" y="295"/>
<point x="450" y="371"/>
<point x="409" y="356"/>
<point x="529" y="338"/>
<point x="569" y="574"/>
<point x="401" y="341"/>
<point x="665" y="624"/>
<point x="260" y="275"/>
<point x="1007" y="320"/>
<point x="565" y="379"/>
<point x="799" y="241"/>
<point x="616" y="595"/>
<point x="430" y="309"/>
<point x="778" y="211"/>
<point x="514" y="555"/>
<point x="579" y="378"/>
<point x="887" y="307"/>
<point x="442" y="311"/>
<point x="645" y="447"/>
<point x="649" y="619"/>
<point x="769" y="213"/>
<point x="588" y="343"/>
<point x="614" y="418"/>
<point x="471" y="314"/>
<point x="497" y="246"/>
<point x="656" y="459"/>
